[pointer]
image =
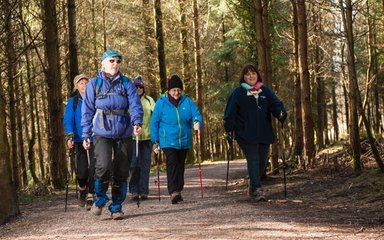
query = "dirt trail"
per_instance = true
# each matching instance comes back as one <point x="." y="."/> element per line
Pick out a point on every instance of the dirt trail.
<point x="219" y="214"/>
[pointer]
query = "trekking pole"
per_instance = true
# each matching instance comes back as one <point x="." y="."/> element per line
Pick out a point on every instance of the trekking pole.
<point x="138" y="169"/>
<point x="197" y="134"/>
<point x="230" y="158"/>
<point x="283" y="158"/>
<point x="67" y="180"/>
<point x="158" y="174"/>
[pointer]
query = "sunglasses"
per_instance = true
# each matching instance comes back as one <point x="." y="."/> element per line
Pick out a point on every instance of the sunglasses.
<point x="139" y="87"/>
<point x="115" y="60"/>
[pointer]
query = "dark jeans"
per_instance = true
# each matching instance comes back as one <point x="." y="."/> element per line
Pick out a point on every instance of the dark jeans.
<point x="140" y="179"/>
<point x="257" y="159"/>
<point x="175" y="168"/>
<point x="109" y="166"/>
<point x="85" y="171"/>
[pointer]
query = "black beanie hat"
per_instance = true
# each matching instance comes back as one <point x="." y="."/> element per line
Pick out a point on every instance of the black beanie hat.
<point x="175" y="82"/>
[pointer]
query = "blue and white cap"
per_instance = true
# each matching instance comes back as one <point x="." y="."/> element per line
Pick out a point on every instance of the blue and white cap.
<point x="110" y="54"/>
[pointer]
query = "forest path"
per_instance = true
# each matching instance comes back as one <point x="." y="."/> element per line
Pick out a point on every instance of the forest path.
<point x="220" y="214"/>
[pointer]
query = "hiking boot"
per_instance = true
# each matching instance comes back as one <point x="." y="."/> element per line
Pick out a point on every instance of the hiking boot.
<point x="82" y="195"/>
<point x="96" y="210"/>
<point x="89" y="201"/>
<point x="135" y="197"/>
<point x="118" y="215"/>
<point x="258" y="195"/>
<point x="175" y="197"/>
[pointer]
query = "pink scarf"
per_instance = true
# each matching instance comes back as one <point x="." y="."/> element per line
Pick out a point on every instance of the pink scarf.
<point x="257" y="86"/>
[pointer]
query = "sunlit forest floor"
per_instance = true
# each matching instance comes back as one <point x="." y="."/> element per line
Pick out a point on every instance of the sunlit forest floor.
<point x="327" y="202"/>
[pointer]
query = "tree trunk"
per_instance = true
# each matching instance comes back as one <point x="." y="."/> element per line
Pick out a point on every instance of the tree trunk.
<point x="72" y="43"/>
<point x="11" y="73"/>
<point x="94" y="35"/>
<point x="354" y="135"/>
<point x="356" y="93"/>
<point x="298" y="120"/>
<point x="20" y="139"/>
<point x="309" y="144"/>
<point x="198" y="67"/>
<point x="103" y="7"/>
<point x="55" y="126"/>
<point x="150" y="72"/>
<point x="9" y="205"/>
<point x="334" y="112"/>
<point x="32" y="136"/>
<point x="372" y="71"/>
<point x="224" y="31"/>
<point x="8" y="201"/>
<point x="319" y="97"/>
<point x="260" y="40"/>
<point x="160" y="46"/>
<point x="186" y="69"/>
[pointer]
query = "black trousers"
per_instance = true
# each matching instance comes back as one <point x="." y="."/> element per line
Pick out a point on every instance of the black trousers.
<point x="85" y="171"/>
<point x="175" y="168"/>
<point x="113" y="158"/>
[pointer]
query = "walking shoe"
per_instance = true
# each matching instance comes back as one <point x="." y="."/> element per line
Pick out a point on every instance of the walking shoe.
<point x="258" y="195"/>
<point x="82" y="194"/>
<point x="89" y="201"/>
<point x="96" y="210"/>
<point x="175" y="197"/>
<point x="117" y="215"/>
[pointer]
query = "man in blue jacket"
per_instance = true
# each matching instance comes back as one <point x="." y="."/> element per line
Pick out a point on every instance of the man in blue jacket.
<point x="112" y="112"/>
<point x="85" y="167"/>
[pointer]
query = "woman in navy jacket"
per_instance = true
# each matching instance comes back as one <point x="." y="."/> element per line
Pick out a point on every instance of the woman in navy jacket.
<point x="171" y="130"/>
<point x="248" y="118"/>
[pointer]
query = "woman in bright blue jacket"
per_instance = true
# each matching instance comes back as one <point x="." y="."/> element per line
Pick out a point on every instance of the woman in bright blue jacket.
<point x="248" y="115"/>
<point x="171" y="130"/>
<point x="85" y="167"/>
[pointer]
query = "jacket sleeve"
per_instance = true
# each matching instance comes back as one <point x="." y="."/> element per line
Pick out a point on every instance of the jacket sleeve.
<point x="88" y="109"/>
<point x="69" y="118"/>
<point x="196" y="115"/>
<point x="275" y="105"/>
<point x="155" y="122"/>
<point x="230" y="113"/>
<point x="135" y="107"/>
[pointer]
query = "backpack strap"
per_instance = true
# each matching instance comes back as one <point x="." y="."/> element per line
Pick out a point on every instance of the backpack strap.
<point x="99" y="81"/>
<point x="75" y="102"/>
<point x="125" y="83"/>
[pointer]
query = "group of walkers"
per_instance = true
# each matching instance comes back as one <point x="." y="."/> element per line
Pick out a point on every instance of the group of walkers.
<point x="113" y="125"/>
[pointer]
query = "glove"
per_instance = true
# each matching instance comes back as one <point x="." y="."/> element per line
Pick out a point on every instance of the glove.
<point x="69" y="141"/>
<point x="282" y="116"/>
<point x="230" y="137"/>
<point x="196" y="125"/>
<point x="156" y="148"/>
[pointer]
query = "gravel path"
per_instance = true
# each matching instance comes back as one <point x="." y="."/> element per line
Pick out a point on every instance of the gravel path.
<point x="219" y="214"/>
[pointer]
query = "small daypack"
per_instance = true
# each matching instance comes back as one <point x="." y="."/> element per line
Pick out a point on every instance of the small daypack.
<point x="99" y="82"/>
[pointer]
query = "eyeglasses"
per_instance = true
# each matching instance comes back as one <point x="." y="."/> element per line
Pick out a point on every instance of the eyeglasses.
<point x="141" y="87"/>
<point x="118" y="61"/>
